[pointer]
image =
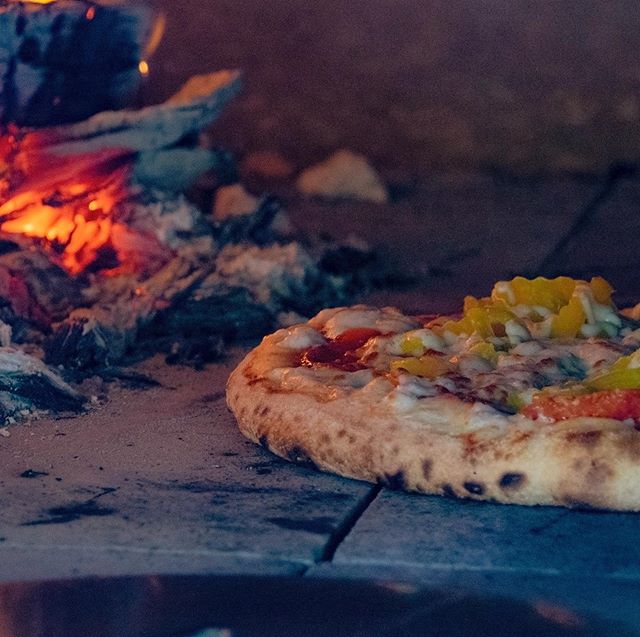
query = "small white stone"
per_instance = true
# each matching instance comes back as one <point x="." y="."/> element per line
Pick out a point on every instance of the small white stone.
<point x="233" y="201"/>
<point x="343" y="175"/>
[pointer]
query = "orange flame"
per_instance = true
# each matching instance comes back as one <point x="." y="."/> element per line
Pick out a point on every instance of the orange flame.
<point x="69" y="203"/>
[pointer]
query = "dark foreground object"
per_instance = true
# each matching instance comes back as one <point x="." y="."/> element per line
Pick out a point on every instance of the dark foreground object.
<point x="251" y="606"/>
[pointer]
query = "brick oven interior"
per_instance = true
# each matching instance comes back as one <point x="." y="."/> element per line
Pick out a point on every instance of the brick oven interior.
<point x="506" y="139"/>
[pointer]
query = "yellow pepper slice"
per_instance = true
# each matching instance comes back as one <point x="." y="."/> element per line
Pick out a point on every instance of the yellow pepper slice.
<point x="483" y="317"/>
<point x="601" y="289"/>
<point x="425" y="366"/>
<point x="486" y="350"/>
<point x="549" y="293"/>
<point x="412" y="345"/>
<point x="619" y="376"/>
<point x="569" y="320"/>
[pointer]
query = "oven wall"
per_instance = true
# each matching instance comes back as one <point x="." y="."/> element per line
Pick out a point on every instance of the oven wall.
<point x="529" y="85"/>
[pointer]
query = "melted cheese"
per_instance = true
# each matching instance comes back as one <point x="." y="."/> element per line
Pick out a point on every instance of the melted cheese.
<point x="386" y="320"/>
<point x="302" y="337"/>
<point x="455" y="402"/>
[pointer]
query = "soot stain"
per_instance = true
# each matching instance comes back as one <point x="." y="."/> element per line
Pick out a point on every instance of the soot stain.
<point x="476" y="488"/>
<point x="194" y="487"/>
<point x="71" y="513"/>
<point x="320" y="525"/>
<point x="512" y="480"/>
<point x="300" y="456"/>
<point x="396" y="481"/>
<point x="212" y="398"/>
<point x="264" y="468"/>
<point x="32" y="473"/>
<point x="448" y="491"/>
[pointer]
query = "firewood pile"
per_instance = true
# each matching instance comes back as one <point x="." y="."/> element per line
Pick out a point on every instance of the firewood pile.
<point x="103" y="258"/>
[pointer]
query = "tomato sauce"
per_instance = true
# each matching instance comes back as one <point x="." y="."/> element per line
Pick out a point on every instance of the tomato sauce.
<point x="340" y="352"/>
<point x="620" y="404"/>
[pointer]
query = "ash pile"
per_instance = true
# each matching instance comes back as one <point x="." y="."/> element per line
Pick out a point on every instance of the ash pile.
<point x="104" y="258"/>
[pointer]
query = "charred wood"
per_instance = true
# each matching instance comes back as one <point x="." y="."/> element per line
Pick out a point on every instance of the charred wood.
<point x="70" y="59"/>
<point x="255" y="227"/>
<point x="25" y="382"/>
<point x="198" y="103"/>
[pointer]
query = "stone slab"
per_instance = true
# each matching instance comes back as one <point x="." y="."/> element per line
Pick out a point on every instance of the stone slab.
<point x="158" y="478"/>
<point x="610" y="599"/>
<point x="609" y="242"/>
<point x="456" y="233"/>
<point x="29" y="562"/>
<point x="434" y="532"/>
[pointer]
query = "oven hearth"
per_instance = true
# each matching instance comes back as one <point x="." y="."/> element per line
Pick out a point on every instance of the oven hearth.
<point x="104" y="259"/>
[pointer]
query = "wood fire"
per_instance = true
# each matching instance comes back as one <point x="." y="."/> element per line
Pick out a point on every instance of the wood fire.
<point x="105" y="196"/>
<point x="71" y="213"/>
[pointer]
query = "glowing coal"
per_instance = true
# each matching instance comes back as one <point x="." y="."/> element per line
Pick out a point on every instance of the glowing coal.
<point x="65" y="187"/>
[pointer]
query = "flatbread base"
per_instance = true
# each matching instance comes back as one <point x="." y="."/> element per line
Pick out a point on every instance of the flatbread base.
<point x="582" y="463"/>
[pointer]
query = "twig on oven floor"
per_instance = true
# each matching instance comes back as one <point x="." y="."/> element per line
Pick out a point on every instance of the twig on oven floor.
<point x="344" y="528"/>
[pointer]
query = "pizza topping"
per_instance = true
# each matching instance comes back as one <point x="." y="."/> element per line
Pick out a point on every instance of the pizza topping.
<point x="623" y="374"/>
<point x="341" y="351"/>
<point x="501" y="353"/>
<point x="414" y="387"/>
<point x="618" y="404"/>
<point x="417" y="342"/>
<point x="302" y="337"/>
<point x="315" y="381"/>
<point x="428" y="366"/>
<point x="385" y="321"/>
<point x="561" y="307"/>
<point x="485" y="317"/>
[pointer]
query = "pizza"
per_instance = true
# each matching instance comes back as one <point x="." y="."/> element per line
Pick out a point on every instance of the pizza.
<point x="528" y="396"/>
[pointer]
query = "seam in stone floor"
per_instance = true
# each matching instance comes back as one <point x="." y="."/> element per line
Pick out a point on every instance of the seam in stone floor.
<point x="339" y="534"/>
<point x="547" y="266"/>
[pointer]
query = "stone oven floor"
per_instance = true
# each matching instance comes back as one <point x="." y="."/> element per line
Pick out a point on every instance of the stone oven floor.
<point x="159" y="480"/>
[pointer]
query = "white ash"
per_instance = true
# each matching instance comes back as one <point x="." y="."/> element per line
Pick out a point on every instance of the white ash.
<point x="270" y="273"/>
<point x="344" y="175"/>
<point x="172" y="219"/>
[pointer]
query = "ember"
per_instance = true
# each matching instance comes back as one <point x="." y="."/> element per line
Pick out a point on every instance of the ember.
<point x="71" y="208"/>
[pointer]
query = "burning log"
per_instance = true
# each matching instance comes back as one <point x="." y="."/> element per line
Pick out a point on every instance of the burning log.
<point x="66" y="185"/>
<point x="65" y="60"/>
<point x="100" y="335"/>
<point x="237" y="287"/>
<point x="34" y="293"/>
<point x="196" y="105"/>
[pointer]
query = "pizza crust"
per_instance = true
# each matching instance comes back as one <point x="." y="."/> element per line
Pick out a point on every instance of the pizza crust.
<point x="583" y="463"/>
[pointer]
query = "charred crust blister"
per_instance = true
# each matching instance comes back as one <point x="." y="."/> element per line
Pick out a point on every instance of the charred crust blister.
<point x="300" y="456"/>
<point x="427" y="468"/>
<point x="396" y="481"/>
<point x="448" y="491"/>
<point x="264" y="441"/>
<point x="476" y="488"/>
<point x="512" y="480"/>
<point x="586" y="438"/>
